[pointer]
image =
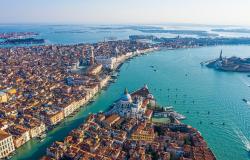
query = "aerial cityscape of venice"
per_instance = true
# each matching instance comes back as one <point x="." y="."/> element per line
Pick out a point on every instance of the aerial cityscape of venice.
<point x="124" y="80"/>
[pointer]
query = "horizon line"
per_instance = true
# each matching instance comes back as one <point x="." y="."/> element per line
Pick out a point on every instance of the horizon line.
<point x="121" y="24"/>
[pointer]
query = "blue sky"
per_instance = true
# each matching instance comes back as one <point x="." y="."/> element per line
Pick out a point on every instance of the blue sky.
<point x="226" y="12"/>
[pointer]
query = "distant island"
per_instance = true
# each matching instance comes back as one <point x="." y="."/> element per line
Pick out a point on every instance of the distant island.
<point x="17" y="35"/>
<point x="233" y="64"/>
<point x="185" y="42"/>
<point x="188" y="32"/>
<point x="129" y="27"/>
<point x="239" y="30"/>
<point x="23" y="41"/>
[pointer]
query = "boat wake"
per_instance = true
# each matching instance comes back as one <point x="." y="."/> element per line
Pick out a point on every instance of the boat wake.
<point x="243" y="139"/>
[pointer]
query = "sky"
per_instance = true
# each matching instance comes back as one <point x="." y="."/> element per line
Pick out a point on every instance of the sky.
<point x="219" y="12"/>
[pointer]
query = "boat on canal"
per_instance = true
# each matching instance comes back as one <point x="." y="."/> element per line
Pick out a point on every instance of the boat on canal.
<point x="246" y="101"/>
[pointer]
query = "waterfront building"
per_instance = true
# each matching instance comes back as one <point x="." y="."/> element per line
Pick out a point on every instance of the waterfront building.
<point x="6" y="144"/>
<point x="69" y="108"/>
<point x="106" y="61"/>
<point x="104" y="81"/>
<point x="36" y="127"/>
<point x="37" y="130"/>
<point x="91" y="90"/>
<point x="20" y="133"/>
<point x="52" y="117"/>
<point x="94" y="69"/>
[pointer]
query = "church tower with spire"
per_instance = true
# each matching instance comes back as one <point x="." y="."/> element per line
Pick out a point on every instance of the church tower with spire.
<point x="221" y="56"/>
<point x="92" y="57"/>
<point x="82" y="57"/>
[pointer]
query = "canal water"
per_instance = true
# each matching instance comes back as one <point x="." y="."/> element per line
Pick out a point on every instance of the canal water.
<point x="208" y="98"/>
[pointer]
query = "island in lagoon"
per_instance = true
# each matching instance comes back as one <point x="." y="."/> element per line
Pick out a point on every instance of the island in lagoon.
<point x="22" y="41"/>
<point x="17" y="35"/>
<point x="238" y="30"/>
<point x="233" y="64"/>
<point x="180" y="32"/>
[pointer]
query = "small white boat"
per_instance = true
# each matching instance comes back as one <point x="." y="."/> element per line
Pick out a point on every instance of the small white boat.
<point x="167" y="108"/>
<point x="178" y="116"/>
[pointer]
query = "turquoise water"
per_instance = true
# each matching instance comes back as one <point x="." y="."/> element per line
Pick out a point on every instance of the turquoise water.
<point x="69" y="34"/>
<point x="179" y="77"/>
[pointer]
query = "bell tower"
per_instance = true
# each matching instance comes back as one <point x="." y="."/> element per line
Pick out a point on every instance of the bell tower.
<point x="92" y="57"/>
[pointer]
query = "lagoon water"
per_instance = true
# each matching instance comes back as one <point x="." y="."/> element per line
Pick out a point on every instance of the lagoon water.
<point x="208" y="98"/>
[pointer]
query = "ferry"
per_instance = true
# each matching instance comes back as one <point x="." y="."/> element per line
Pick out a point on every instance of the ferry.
<point x="167" y="108"/>
<point x="246" y="101"/>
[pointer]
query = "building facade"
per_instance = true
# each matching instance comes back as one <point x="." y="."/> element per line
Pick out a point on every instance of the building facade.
<point x="6" y="144"/>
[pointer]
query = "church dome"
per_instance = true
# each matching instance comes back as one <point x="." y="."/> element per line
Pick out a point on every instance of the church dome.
<point x="126" y="96"/>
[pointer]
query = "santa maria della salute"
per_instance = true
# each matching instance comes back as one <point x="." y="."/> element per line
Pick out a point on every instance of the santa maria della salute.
<point x="134" y="105"/>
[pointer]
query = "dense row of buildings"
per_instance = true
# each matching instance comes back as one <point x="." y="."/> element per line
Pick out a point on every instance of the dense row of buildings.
<point x="40" y="86"/>
<point x="126" y="131"/>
